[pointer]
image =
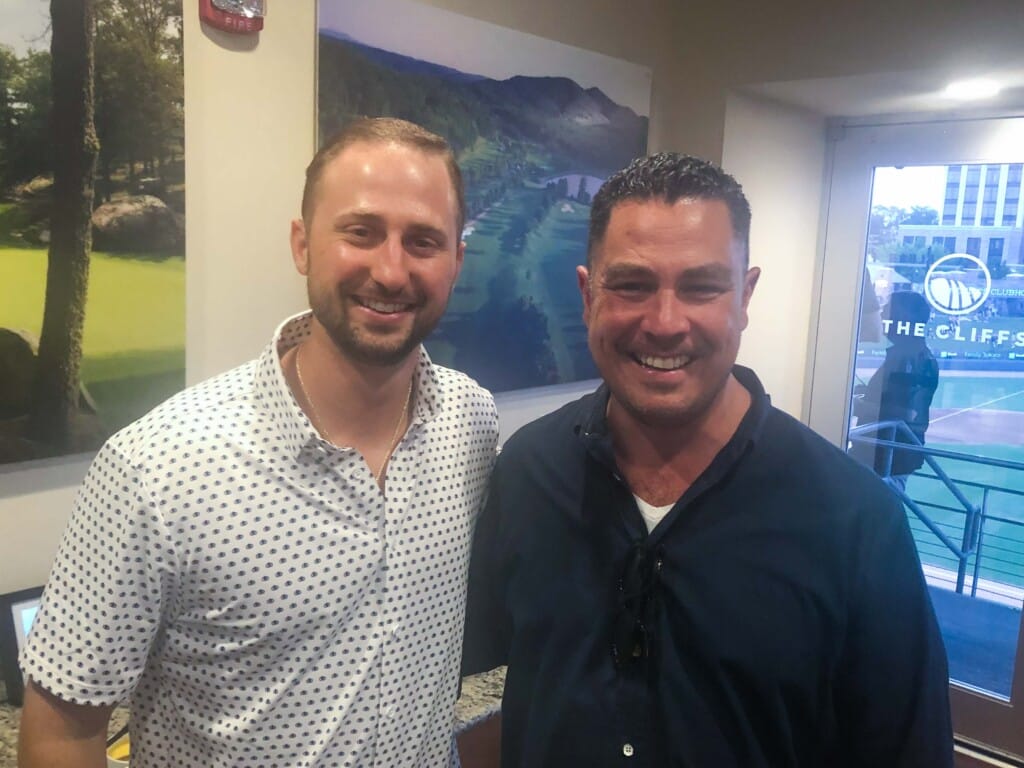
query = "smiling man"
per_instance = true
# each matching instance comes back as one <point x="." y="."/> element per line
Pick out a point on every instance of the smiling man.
<point x="675" y="572"/>
<point x="272" y="564"/>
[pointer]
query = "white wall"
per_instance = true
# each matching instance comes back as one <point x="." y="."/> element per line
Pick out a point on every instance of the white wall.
<point x="778" y="154"/>
<point x="249" y="133"/>
<point x="34" y="506"/>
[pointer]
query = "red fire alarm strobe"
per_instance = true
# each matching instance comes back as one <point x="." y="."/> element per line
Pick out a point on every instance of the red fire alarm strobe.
<point x="214" y="13"/>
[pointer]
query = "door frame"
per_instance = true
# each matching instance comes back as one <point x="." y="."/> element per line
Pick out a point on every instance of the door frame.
<point x="855" y="148"/>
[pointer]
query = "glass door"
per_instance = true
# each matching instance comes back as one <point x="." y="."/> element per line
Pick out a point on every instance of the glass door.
<point x="918" y="371"/>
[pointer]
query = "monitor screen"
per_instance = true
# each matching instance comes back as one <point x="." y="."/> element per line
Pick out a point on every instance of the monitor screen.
<point x="17" y="612"/>
<point x="23" y="613"/>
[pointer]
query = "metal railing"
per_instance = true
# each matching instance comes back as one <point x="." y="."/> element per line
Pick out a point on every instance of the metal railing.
<point x="971" y="538"/>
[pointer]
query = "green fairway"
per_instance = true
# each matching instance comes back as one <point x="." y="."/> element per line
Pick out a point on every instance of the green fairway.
<point x="517" y="294"/>
<point x="134" y="338"/>
<point x="556" y="248"/>
<point x="120" y="396"/>
<point x="508" y="264"/>
<point x="133" y="304"/>
<point x="488" y="253"/>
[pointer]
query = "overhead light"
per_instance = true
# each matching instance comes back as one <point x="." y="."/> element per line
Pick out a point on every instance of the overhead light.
<point x="975" y="88"/>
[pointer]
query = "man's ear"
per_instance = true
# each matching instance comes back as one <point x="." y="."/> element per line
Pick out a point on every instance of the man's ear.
<point x="583" y="280"/>
<point x="460" y="255"/>
<point x="300" y="247"/>
<point x="749" y="284"/>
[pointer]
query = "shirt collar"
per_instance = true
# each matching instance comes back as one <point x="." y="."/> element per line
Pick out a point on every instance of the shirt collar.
<point x="752" y="425"/>
<point x="285" y="422"/>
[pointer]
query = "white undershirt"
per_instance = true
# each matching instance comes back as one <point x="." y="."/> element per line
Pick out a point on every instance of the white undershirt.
<point x="652" y="514"/>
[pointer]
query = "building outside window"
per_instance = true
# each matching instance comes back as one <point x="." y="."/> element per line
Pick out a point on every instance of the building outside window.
<point x="1012" y="199"/>
<point x="988" y="208"/>
<point x="995" y="252"/>
<point x="970" y="207"/>
<point x="952" y="195"/>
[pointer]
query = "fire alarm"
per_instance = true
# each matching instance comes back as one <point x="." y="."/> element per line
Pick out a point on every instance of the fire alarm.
<point x="240" y="16"/>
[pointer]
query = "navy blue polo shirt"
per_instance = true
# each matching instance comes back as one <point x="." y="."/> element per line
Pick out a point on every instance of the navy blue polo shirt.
<point x="792" y="625"/>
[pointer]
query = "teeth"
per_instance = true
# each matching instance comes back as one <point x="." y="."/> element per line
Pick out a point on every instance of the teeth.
<point x="664" y="363"/>
<point x="380" y="306"/>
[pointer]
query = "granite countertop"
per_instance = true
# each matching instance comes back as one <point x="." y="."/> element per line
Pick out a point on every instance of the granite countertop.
<point x="481" y="698"/>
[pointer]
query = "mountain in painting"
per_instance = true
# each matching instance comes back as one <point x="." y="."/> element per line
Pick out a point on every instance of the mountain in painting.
<point x="579" y="128"/>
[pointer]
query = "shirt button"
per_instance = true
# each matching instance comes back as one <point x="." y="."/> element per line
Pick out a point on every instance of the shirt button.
<point x="627" y="750"/>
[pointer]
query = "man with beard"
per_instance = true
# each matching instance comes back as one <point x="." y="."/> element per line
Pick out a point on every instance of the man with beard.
<point x="272" y="563"/>
<point x="675" y="572"/>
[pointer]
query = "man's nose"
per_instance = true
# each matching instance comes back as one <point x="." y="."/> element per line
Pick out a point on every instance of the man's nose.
<point x="666" y="315"/>
<point x="389" y="267"/>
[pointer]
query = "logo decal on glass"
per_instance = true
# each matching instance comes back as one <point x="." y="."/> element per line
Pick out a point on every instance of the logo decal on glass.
<point x="948" y="290"/>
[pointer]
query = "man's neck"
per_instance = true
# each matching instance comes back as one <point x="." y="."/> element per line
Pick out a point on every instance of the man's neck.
<point x="660" y="462"/>
<point x="350" y="404"/>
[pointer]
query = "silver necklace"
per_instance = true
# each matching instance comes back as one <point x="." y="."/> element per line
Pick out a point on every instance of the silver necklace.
<point x="321" y="425"/>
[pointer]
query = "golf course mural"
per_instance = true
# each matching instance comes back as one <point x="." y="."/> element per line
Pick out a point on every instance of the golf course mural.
<point x="536" y="126"/>
<point x="92" y="199"/>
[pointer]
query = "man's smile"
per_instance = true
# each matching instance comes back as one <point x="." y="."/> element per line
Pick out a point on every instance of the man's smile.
<point x="663" y="363"/>
<point x="383" y="307"/>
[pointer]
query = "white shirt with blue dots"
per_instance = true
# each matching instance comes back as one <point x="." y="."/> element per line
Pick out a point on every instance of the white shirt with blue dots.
<point x="253" y="590"/>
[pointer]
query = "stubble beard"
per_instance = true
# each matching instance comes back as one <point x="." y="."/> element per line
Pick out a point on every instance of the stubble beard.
<point x="673" y="410"/>
<point x="359" y="345"/>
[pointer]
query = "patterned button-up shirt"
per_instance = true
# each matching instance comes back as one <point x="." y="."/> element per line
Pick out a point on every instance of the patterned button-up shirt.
<point x="251" y="587"/>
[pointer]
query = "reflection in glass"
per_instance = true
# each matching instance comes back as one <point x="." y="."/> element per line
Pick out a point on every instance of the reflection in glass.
<point x="937" y="405"/>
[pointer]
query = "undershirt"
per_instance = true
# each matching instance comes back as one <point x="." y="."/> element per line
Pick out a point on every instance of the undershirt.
<point x="652" y="514"/>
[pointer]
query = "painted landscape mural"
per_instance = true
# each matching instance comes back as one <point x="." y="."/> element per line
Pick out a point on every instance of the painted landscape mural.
<point x="534" y="145"/>
<point x="92" y="264"/>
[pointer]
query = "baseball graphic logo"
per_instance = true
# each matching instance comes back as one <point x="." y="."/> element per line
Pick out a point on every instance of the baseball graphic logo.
<point x="948" y="293"/>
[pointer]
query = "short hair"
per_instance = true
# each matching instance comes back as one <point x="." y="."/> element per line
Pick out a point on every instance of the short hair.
<point x="382" y="130"/>
<point x="908" y="306"/>
<point x="669" y="177"/>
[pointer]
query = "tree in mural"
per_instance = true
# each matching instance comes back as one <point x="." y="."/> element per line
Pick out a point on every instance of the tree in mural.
<point x="75" y="147"/>
<point x="24" y="116"/>
<point x="138" y="86"/>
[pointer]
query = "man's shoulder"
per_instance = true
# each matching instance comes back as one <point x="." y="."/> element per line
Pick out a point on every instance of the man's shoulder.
<point x="795" y="451"/>
<point x="792" y="438"/>
<point x="460" y="385"/>
<point x="463" y="399"/>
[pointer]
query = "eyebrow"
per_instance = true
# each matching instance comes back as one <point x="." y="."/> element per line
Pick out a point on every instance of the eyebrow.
<point x="357" y="217"/>
<point x="709" y="272"/>
<point x="619" y="271"/>
<point x="716" y="272"/>
<point x="430" y="231"/>
<point x="373" y="219"/>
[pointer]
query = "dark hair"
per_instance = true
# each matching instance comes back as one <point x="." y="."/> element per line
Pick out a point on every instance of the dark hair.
<point x="908" y="306"/>
<point x="669" y="177"/>
<point x="384" y="130"/>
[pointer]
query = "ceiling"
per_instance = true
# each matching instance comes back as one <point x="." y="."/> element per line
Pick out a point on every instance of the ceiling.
<point x="893" y="93"/>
